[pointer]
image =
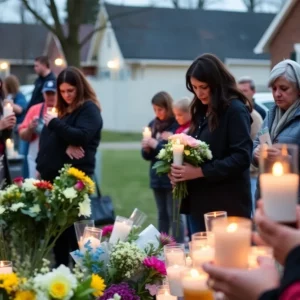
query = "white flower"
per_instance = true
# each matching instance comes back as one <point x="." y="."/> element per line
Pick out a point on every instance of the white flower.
<point x="85" y="207"/>
<point x="28" y="184"/>
<point x="11" y="188"/>
<point x="116" y="297"/>
<point x="16" y="206"/>
<point x="2" y="209"/>
<point x="70" y="193"/>
<point x="209" y="154"/>
<point x="35" y="209"/>
<point x="161" y="154"/>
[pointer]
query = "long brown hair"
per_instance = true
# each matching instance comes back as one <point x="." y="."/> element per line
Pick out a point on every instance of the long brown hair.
<point x="84" y="91"/>
<point x="164" y="100"/>
<point x="223" y="88"/>
<point x="11" y="85"/>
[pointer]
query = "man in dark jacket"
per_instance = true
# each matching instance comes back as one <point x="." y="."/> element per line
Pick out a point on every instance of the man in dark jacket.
<point x="42" y="69"/>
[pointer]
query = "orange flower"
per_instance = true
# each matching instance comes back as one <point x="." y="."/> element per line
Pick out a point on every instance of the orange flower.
<point x="44" y="185"/>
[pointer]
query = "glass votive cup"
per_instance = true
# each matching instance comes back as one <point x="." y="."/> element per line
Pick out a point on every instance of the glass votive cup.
<point x="210" y="216"/>
<point x="91" y="238"/>
<point x="138" y="217"/>
<point x="79" y="229"/>
<point x="6" y="267"/>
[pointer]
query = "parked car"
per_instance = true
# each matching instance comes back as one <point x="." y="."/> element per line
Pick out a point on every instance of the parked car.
<point x="27" y="90"/>
<point x="264" y="100"/>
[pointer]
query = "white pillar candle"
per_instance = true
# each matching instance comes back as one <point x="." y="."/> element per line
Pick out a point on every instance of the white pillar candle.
<point x="175" y="257"/>
<point x="178" y="153"/>
<point x="173" y="275"/>
<point x="52" y="111"/>
<point x="147" y="134"/>
<point x="5" y="267"/>
<point x="203" y="255"/>
<point x="7" y="110"/>
<point x="10" y="148"/>
<point x="188" y="261"/>
<point x="194" y="284"/>
<point x="163" y="293"/>
<point x="121" y="230"/>
<point x="232" y="242"/>
<point x="280" y="194"/>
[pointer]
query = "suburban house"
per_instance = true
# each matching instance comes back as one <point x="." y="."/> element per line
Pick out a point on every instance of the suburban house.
<point x="144" y="50"/>
<point x="282" y="37"/>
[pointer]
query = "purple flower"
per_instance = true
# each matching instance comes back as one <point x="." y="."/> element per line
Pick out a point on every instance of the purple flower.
<point x="79" y="186"/>
<point x="156" y="264"/>
<point x="122" y="289"/>
<point x="107" y="230"/>
<point x="166" y="239"/>
<point x="152" y="288"/>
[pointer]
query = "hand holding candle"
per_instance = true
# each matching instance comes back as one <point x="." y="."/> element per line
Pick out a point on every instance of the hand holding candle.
<point x="8" y="110"/>
<point x="10" y="148"/>
<point x="147" y="134"/>
<point x="51" y="114"/>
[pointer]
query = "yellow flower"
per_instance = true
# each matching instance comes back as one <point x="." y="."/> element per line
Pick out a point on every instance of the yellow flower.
<point x="98" y="285"/>
<point x="90" y="184"/>
<point x="59" y="289"/>
<point x="76" y="173"/>
<point x="187" y="152"/>
<point x="9" y="282"/>
<point x="25" y="295"/>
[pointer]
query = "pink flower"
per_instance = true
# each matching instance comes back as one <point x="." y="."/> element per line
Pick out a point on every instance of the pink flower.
<point x="107" y="230"/>
<point x="152" y="288"/>
<point x="190" y="141"/>
<point x="166" y="239"/>
<point x="18" y="181"/>
<point x="185" y="140"/>
<point x="156" y="264"/>
<point x="79" y="186"/>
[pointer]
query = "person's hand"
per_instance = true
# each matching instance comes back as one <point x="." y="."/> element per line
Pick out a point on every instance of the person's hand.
<point x="185" y="172"/>
<point x="171" y="180"/>
<point x="280" y="237"/>
<point x="273" y="153"/>
<point x="239" y="284"/>
<point x="166" y="134"/>
<point x="75" y="152"/>
<point x="257" y="153"/>
<point x="48" y="118"/>
<point x="33" y="124"/>
<point x="8" y="122"/>
<point x="145" y="145"/>
<point x="152" y="143"/>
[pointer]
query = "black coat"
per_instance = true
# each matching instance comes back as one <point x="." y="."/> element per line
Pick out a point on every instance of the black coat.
<point x="80" y="128"/>
<point x="226" y="182"/>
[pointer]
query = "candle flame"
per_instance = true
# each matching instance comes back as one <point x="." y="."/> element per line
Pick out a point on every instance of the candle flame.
<point x="177" y="142"/>
<point x="232" y="227"/>
<point x="2" y="264"/>
<point x="53" y="110"/>
<point x="277" y="169"/>
<point x="194" y="273"/>
<point x="284" y="150"/>
<point x="8" y="105"/>
<point x="215" y="214"/>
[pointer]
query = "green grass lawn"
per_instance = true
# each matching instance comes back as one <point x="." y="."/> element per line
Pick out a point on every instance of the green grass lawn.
<point x="125" y="178"/>
<point x="115" y="136"/>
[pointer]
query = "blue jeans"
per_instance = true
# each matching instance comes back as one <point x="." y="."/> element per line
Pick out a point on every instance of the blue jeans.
<point x="165" y="207"/>
<point x="196" y="224"/>
<point x="253" y="190"/>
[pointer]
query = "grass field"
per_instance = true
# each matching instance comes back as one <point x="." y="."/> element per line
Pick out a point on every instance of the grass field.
<point x="125" y="178"/>
<point x="115" y="136"/>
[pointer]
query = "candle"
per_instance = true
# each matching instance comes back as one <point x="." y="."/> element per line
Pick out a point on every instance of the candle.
<point x="94" y="243"/>
<point x="194" y="284"/>
<point x="10" y="148"/>
<point x="52" y="111"/>
<point x="202" y="255"/>
<point x="147" y="134"/>
<point x="173" y="275"/>
<point x="122" y="228"/>
<point x="232" y="242"/>
<point x="255" y="252"/>
<point x="5" y="267"/>
<point x="91" y="239"/>
<point x="188" y="261"/>
<point x="210" y="216"/>
<point x="178" y="153"/>
<point x="7" y="110"/>
<point x="175" y="257"/>
<point x="163" y="293"/>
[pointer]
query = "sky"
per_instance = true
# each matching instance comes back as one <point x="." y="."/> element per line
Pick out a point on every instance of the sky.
<point x="10" y="10"/>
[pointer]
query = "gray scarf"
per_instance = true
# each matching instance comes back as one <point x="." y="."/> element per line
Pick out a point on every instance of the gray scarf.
<point x="282" y="118"/>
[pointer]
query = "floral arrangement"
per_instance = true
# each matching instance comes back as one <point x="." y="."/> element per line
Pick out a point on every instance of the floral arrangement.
<point x="59" y="283"/>
<point x="131" y="269"/>
<point x="195" y="152"/>
<point x="34" y="213"/>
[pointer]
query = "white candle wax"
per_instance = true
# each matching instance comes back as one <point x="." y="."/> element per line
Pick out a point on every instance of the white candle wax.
<point x="94" y="243"/>
<point x="188" y="261"/>
<point x="173" y="275"/>
<point x="120" y="232"/>
<point x="202" y="255"/>
<point x="232" y="246"/>
<point x="165" y="296"/>
<point x="280" y="196"/>
<point x="5" y="268"/>
<point x="255" y="252"/>
<point x="175" y="257"/>
<point x="147" y="134"/>
<point x="52" y="111"/>
<point x="10" y="148"/>
<point x="178" y="153"/>
<point x="7" y="110"/>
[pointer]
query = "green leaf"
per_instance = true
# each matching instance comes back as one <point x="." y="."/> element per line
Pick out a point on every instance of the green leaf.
<point x="158" y="164"/>
<point x="61" y="218"/>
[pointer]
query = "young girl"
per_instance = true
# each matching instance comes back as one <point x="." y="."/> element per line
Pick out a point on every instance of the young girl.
<point x="163" y="123"/>
<point x="181" y="110"/>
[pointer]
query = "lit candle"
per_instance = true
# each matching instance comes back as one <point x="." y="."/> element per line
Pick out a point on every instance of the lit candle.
<point x="121" y="230"/>
<point x="232" y="242"/>
<point x="94" y="243"/>
<point x="202" y="255"/>
<point x="91" y="239"/>
<point x="255" y="252"/>
<point x="163" y="293"/>
<point x="188" y="261"/>
<point x="7" y="110"/>
<point x="175" y="257"/>
<point x="10" y="148"/>
<point x="279" y="192"/>
<point x="5" y="267"/>
<point x="178" y="153"/>
<point x="147" y="134"/>
<point x="52" y="111"/>
<point x="194" y="284"/>
<point x="173" y="275"/>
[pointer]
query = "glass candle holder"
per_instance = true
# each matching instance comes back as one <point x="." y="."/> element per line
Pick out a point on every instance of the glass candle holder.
<point x="121" y="230"/>
<point x="232" y="241"/>
<point x="52" y="111"/>
<point x="279" y="182"/>
<point x="91" y="237"/>
<point x="138" y="217"/>
<point x="163" y="293"/>
<point x="79" y="229"/>
<point x="202" y="238"/>
<point x="5" y="267"/>
<point x="209" y="217"/>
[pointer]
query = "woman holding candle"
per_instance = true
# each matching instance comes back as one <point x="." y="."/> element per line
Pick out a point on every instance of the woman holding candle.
<point x="161" y="127"/>
<point x="71" y="138"/>
<point x="221" y="118"/>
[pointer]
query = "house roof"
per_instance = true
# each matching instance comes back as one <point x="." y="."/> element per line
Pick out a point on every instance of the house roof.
<point x="183" y="34"/>
<point x="22" y="41"/>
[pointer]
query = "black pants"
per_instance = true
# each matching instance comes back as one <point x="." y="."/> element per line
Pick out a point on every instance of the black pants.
<point x="65" y="244"/>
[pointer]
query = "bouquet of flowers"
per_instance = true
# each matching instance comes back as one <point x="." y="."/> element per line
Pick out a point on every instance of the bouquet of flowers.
<point x="34" y="213"/>
<point x="191" y="150"/>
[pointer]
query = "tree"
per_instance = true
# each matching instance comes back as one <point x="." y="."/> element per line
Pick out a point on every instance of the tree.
<point x="254" y="5"/>
<point x="68" y="34"/>
<point x="199" y="4"/>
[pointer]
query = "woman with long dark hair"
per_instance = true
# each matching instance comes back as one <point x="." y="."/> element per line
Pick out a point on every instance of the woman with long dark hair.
<point x="221" y="118"/>
<point x="71" y="138"/>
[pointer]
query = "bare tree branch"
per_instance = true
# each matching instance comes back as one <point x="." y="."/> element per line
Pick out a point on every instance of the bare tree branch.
<point x="175" y="3"/>
<point x="53" y="10"/>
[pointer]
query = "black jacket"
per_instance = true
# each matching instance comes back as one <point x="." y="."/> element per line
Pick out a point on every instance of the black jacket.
<point x="80" y="128"/>
<point x="260" y="110"/>
<point x="157" y="181"/>
<point x="226" y="182"/>
<point x="37" y="95"/>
